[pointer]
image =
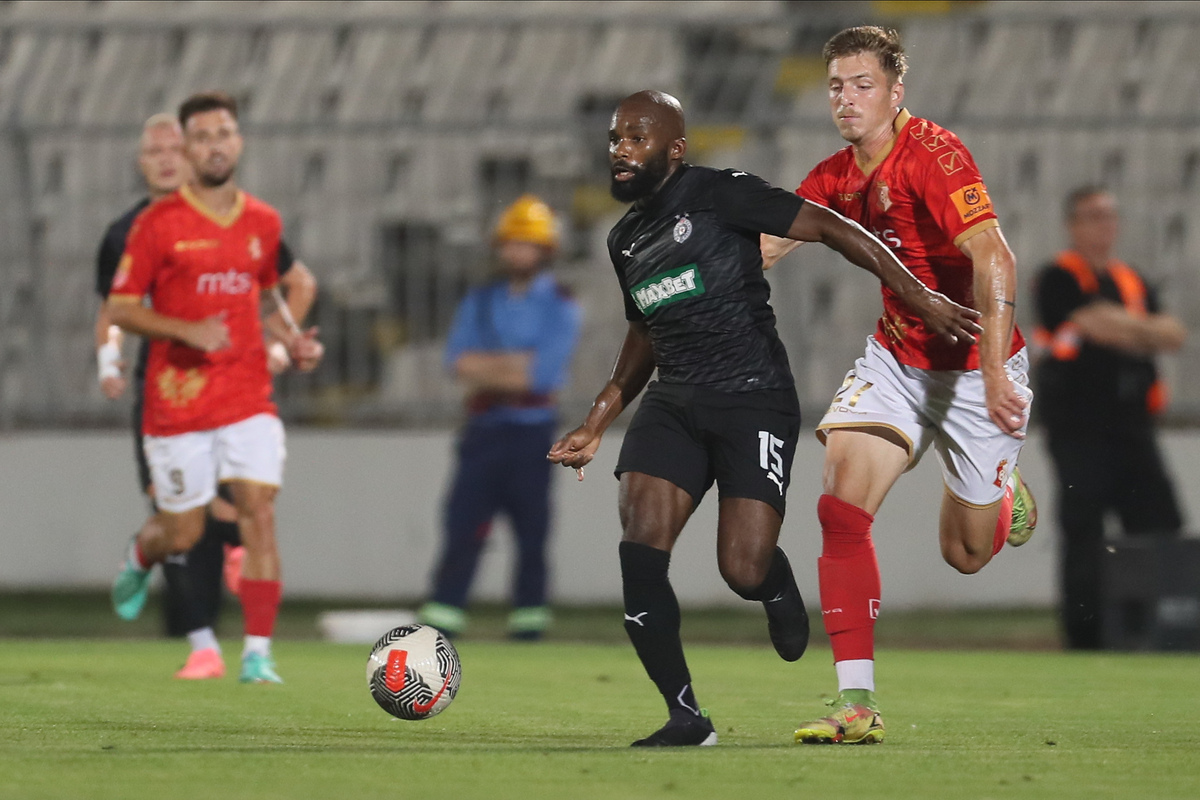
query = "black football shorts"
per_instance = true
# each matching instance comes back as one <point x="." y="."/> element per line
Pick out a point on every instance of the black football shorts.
<point x="693" y="436"/>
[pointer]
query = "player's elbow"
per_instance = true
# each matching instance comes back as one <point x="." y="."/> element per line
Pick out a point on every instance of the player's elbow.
<point x="300" y="279"/>
<point x="1001" y="267"/>
<point x="773" y="249"/>
<point x="1172" y="335"/>
<point x="463" y="367"/>
<point x="1006" y="262"/>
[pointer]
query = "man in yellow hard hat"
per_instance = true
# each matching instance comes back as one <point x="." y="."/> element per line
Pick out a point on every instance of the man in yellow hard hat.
<point x="510" y="347"/>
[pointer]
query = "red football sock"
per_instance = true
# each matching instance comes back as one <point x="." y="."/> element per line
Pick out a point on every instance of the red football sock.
<point x="849" y="577"/>
<point x="1004" y="521"/>
<point x="139" y="555"/>
<point x="260" y="605"/>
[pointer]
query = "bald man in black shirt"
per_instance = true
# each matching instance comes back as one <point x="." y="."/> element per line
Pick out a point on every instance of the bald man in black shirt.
<point x="724" y="408"/>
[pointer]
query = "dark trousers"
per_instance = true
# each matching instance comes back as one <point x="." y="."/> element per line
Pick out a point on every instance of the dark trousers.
<point x="1119" y="470"/>
<point x="501" y="469"/>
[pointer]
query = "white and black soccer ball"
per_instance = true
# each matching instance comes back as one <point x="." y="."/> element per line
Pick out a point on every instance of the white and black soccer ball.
<point x="413" y="672"/>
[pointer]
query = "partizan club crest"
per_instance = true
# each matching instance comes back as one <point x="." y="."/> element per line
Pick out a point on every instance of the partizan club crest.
<point x="683" y="229"/>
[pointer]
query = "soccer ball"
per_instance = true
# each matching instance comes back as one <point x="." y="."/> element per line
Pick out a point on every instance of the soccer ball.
<point x="413" y="672"/>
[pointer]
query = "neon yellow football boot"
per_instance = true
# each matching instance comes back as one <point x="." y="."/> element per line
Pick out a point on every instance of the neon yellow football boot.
<point x="850" y="723"/>
<point x="1024" y="511"/>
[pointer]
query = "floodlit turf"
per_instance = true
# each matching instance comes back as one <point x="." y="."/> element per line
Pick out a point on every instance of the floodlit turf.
<point x="103" y="719"/>
<point x="88" y="614"/>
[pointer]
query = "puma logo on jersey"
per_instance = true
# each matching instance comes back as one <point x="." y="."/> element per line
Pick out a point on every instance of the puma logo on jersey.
<point x="776" y="480"/>
<point x="738" y="174"/>
<point x="637" y="618"/>
<point x="230" y="282"/>
<point x="629" y="253"/>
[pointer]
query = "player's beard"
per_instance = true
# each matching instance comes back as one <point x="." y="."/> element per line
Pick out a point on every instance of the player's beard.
<point x="214" y="178"/>
<point x="644" y="181"/>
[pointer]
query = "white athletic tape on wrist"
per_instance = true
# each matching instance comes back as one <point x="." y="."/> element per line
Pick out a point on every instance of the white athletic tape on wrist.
<point x="108" y="360"/>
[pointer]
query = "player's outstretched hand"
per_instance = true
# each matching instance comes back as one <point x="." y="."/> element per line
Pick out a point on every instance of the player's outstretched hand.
<point x="948" y="319"/>
<point x="1007" y="404"/>
<point x="576" y="449"/>
<point x="306" y="351"/>
<point x="114" y="387"/>
<point x="209" y="335"/>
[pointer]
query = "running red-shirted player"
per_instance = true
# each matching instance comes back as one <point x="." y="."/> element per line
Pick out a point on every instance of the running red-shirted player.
<point x="204" y="255"/>
<point x="914" y="185"/>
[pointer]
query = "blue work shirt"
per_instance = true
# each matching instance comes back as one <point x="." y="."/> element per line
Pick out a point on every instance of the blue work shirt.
<point x="543" y="320"/>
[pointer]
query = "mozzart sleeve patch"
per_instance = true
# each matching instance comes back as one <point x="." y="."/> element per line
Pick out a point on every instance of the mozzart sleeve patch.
<point x="972" y="202"/>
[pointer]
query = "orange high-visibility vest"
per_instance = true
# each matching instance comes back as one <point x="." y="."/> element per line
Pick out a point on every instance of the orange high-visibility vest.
<point x="1063" y="343"/>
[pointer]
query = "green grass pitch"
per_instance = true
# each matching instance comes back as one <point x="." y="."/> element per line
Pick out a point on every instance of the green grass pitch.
<point x="104" y="719"/>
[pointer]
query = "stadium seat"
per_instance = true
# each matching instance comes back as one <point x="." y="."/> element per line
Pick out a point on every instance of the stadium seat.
<point x="371" y="115"/>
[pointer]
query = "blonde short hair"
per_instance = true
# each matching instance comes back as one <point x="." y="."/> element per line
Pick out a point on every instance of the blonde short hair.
<point x="883" y="42"/>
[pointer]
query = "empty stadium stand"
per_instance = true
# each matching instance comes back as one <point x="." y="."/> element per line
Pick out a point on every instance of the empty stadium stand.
<point x="390" y="134"/>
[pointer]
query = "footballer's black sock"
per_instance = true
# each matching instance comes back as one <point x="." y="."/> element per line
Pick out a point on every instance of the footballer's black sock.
<point x="787" y="618"/>
<point x="185" y="613"/>
<point x="224" y="532"/>
<point x="652" y="622"/>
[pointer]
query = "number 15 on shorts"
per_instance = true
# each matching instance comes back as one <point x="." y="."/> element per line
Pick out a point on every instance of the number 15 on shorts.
<point x="770" y="458"/>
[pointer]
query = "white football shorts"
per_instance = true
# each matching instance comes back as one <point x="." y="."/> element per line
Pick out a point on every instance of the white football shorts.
<point x="945" y="408"/>
<point x="187" y="467"/>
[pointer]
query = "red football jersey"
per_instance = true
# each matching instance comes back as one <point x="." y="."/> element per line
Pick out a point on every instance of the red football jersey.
<point x="923" y="198"/>
<point x="194" y="264"/>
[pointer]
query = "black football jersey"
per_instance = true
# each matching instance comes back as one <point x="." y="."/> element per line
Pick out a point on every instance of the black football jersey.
<point x="689" y="265"/>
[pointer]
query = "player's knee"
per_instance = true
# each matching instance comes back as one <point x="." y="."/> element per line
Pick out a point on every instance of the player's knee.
<point x="743" y="576"/>
<point x="966" y="560"/>
<point x="644" y="531"/>
<point x="642" y="523"/>
<point x="969" y="566"/>
<point x="182" y="538"/>
<point x="257" y="524"/>
<point x="744" y="590"/>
